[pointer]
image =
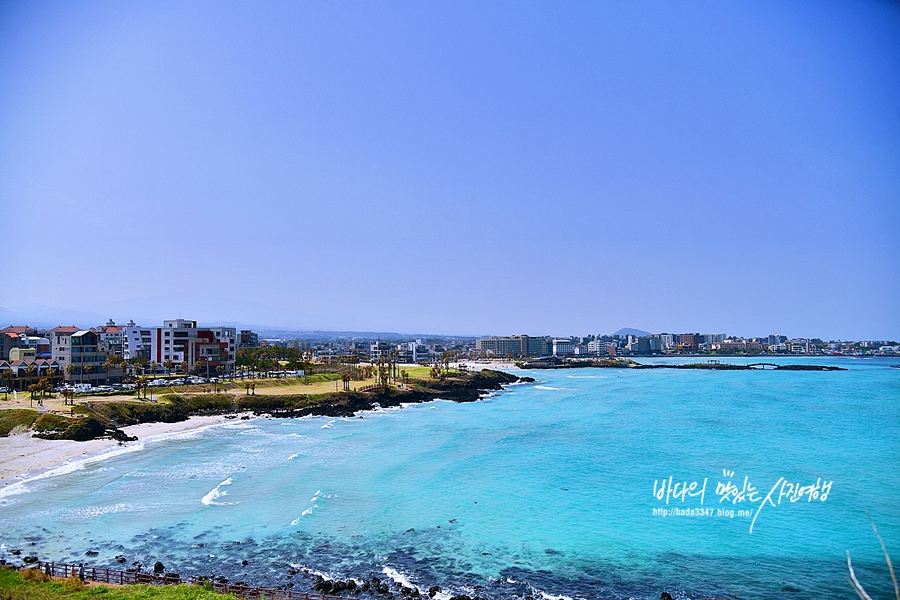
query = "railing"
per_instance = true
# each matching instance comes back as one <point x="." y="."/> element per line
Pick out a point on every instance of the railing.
<point x="115" y="576"/>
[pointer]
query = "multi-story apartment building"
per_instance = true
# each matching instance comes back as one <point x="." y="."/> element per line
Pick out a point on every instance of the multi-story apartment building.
<point x="136" y="341"/>
<point x="667" y="340"/>
<point x="689" y="342"/>
<point x="79" y="354"/>
<point x="60" y="340"/>
<point x="518" y="345"/>
<point x="379" y="349"/>
<point x="500" y="346"/>
<point x="8" y="341"/>
<point x="181" y="341"/>
<point x="248" y="339"/>
<point x="563" y="347"/>
<point x="798" y="346"/>
<point x="111" y="337"/>
<point x="598" y="347"/>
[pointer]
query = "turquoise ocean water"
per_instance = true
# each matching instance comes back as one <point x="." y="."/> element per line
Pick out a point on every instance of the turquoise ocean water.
<point x="547" y="489"/>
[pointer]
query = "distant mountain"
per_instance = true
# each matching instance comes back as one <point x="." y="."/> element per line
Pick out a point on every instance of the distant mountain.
<point x="39" y="315"/>
<point x="629" y="331"/>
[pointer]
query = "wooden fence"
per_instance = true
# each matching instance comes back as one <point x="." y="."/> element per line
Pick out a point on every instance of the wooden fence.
<point x="115" y="576"/>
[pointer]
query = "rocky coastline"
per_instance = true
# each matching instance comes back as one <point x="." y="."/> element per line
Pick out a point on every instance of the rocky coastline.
<point x="627" y="363"/>
<point x="93" y="420"/>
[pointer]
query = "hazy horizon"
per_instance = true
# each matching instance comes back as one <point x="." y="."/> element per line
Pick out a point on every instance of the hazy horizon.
<point x="458" y="168"/>
<point x="87" y="320"/>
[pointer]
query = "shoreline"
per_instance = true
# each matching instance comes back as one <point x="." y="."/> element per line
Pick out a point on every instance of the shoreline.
<point x="32" y="457"/>
<point x="37" y="457"/>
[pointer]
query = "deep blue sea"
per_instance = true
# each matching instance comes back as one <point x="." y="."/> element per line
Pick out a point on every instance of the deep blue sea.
<point x="554" y="489"/>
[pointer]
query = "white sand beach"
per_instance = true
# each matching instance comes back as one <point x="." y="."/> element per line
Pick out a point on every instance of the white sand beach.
<point x="24" y="456"/>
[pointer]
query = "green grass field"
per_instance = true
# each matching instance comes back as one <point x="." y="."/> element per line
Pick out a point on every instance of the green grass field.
<point x="13" y="586"/>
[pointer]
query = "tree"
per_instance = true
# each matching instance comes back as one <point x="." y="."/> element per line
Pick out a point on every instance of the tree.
<point x="86" y="370"/>
<point x="30" y="371"/>
<point x="7" y="380"/>
<point x="108" y="365"/>
<point x="169" y="365"/>
<point x="68" y="396"/>
<point x="141" y="384"/>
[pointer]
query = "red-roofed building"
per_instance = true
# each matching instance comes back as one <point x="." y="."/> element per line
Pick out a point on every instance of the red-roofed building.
<point x="111" y="337"/>
<point x="8" y="341"/>
<point x="19" y="330"/>
<point x="19" y="374"/>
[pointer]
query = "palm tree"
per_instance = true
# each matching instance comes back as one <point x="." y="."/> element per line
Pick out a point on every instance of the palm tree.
<point x="30" y="371"/>
<point x="108" y="364"/>
<point x="7" y="379"/>
<point x="141" y="384"/>
<point x="86" y="370"/>
<point x="169" y="365"/>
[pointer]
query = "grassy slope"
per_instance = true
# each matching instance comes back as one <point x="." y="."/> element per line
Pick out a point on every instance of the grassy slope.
<point x="14" y="587"/>
<point x="13" y="417"/>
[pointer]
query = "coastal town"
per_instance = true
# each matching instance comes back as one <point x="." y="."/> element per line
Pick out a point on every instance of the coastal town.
<point x="105" y="358"/>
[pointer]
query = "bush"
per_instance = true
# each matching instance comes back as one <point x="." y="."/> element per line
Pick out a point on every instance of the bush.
<point x="34" y="575"/>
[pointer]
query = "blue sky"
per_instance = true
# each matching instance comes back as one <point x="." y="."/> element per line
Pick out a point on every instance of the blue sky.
<point x="450" y="167"/>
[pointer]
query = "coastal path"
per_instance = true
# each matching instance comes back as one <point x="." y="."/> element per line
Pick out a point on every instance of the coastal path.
<point x="117" y="577"/>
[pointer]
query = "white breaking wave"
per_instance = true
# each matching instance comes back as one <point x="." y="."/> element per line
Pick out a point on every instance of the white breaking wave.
<point x="293" y="456"/>
<point x="547" y="596"/>
<point x="21" y="487"/>
<point x="328" y="425"/>
<point x="306" y="512"/>
<point x="547" y="387"/>
<point x="216" y="493"/>
<point x="398" y="577"/>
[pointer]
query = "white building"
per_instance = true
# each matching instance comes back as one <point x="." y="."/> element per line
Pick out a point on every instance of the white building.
<point x="563" y="347"/>
<point x="598" y="347"/>
<point x="135" y="341"/>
